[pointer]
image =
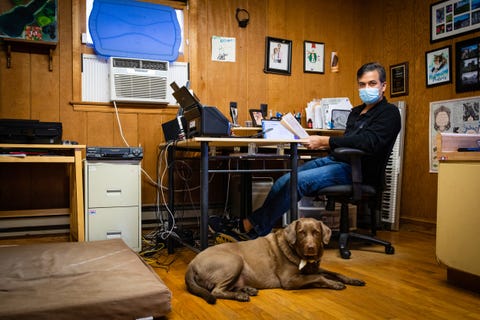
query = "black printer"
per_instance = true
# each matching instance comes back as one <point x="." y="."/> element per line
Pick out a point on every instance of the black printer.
<point x="30" y="131"/>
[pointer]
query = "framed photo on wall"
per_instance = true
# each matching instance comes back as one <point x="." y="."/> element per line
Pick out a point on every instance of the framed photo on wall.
<point x="452" y="18"/>
<point x="399" y="80"/>
<point x="438" y="65"/>
<point x="278" y="56"/>
<point x="313" y="57"/>
<point x="467" y="60"/>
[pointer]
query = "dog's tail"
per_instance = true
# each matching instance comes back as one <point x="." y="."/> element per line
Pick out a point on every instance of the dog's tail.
<point x="194" y="288"/>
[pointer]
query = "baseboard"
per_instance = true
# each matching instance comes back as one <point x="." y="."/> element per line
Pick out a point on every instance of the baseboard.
<point x="418" y="225"/>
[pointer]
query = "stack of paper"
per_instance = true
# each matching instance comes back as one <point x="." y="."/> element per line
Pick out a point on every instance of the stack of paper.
<point x="289" y="122"/>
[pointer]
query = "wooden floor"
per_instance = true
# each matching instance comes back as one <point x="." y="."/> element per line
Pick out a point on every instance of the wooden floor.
<point x="407" y="285"/>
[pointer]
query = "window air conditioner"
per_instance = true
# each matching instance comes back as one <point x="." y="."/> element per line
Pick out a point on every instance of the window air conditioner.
<point x="138" y="80"/>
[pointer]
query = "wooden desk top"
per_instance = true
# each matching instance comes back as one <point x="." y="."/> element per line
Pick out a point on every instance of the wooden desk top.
<point x="66" y="153"/>
<point x="234" y="142"/>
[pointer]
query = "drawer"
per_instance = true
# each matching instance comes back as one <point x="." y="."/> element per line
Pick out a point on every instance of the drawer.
<point x="111" y="223"/>
<point x="113" y="184"/>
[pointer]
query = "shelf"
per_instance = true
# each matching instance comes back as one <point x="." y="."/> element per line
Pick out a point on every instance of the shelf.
<point x="448" y="144"/>
<point x="31" y="46"/>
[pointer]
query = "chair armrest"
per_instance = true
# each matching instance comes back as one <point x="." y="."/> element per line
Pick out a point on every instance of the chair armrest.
<point x="354" y="157"/>
<point x="344" y="151"/>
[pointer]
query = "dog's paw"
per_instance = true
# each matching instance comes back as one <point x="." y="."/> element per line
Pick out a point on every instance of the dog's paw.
<point x="337" y="285"/>
<point x="250" y="291"/>
<point x="356" y="282"/>
<point x="242" y="296"/>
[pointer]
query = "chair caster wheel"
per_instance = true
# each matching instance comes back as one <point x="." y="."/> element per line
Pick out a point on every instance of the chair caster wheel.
<point x="389" y="250"/>
<point x="345" y="253"/>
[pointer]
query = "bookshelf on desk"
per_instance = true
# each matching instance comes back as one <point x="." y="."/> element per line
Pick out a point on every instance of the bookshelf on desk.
<point x="70" y="155"/>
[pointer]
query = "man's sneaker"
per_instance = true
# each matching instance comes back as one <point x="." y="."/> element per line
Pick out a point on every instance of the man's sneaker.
<point x="237" y="228"/>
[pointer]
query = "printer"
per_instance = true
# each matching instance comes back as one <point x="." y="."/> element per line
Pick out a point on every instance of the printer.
<point x="199" y="120"/>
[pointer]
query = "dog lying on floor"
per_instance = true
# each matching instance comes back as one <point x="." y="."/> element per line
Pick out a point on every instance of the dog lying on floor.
<point x="288" y="258"/>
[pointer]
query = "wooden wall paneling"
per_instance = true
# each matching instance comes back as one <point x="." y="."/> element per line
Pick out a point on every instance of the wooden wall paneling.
<point x="44" y="89"/>
<point x="15" y="83"/>
<point x="198" y="47"/>
<point x="254" y="51"/>
<point x="227" y="79"/>
<point x="100" y="129"/>
<point x="74" y="123"/>
<point x="150" y="135"/>
<point x="128" y="126"/>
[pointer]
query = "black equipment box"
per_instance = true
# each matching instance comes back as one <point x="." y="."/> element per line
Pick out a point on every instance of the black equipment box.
<point x="30" y="131"/>
<point x="114" y="153"/>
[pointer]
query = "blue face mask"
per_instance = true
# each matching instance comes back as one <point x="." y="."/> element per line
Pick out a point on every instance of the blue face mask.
<point x="369" y="95"/>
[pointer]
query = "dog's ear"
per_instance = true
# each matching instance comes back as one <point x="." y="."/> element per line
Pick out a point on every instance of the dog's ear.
<point x="291" y="232"/>
<point x="326" y="232"/>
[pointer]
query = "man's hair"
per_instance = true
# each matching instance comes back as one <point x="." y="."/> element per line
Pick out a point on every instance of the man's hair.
<point x="372" y="66"/>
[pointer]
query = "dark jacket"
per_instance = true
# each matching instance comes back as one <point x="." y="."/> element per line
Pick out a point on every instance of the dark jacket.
<point x="374" y="132"/>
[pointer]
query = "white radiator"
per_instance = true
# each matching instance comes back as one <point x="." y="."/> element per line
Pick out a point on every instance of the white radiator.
<point x="390" y="205"/>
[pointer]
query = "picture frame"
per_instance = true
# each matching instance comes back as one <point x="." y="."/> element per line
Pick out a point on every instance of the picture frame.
<point x="278" y="56"/>
<point x="257" y="117"/>
<point x="457" y="116"/>
<point x="438" y="65"/>
<point x="313" y="57"/>
<point x="399" y="79"/>
<point x="467" y="65"/>
<point x="452" y="18"/>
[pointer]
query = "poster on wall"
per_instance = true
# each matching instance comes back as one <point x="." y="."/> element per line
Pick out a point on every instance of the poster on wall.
<point x="452" y="116"/>
<point x="223" y="49"/>
<point x="29" y="20"/>
<point x="453" y="17"/>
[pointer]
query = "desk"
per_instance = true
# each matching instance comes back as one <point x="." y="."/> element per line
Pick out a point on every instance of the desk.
<point x="54" y="153"/>
<point x="458" y="219"/>
<point x="203" y="144"/>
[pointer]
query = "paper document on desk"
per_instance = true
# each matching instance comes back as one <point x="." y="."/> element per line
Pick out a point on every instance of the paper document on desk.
<point x="289" y="122"/>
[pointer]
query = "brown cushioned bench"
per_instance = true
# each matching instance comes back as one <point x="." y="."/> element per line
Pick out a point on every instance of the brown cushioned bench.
<point x="79" y="280"/>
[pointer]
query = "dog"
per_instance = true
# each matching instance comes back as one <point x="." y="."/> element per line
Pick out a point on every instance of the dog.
<point x="289" y="259"/>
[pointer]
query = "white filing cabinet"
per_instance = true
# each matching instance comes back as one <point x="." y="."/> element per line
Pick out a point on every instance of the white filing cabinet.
<point x="112" y="201"/>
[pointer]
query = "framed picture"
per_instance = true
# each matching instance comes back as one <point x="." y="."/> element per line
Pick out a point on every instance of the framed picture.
<point x="399" y="80"/>
<point x="459" y="116"/>
<point x="278" y="56"/>
<point x="452" y="18"/>
<point x="39" y="25"/>
<point x="467" y="60"/>
<point x="438" y="66"/>
<point x="257" y="117"/>
<point x="313" y="57"/>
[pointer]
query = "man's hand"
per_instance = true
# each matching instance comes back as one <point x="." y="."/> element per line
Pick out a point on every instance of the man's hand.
<point x="316" y="142"/>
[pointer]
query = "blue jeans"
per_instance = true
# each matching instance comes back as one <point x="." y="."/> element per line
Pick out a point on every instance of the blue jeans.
<point x="312" y="176"/>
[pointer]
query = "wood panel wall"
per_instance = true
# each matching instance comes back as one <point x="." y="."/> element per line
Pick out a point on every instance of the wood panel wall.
<point x="390" y="32"/>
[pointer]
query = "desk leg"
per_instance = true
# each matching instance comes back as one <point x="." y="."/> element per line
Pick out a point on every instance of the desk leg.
<point x="294" y="181"/>
<point x="171" y="193"/>
<point x="204" y="196"/>
<point x="77" y="215"/>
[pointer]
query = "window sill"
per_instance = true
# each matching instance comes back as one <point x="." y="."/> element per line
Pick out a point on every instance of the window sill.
<point x="124" y="107"/>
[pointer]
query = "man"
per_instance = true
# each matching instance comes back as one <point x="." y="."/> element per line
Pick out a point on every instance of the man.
<point x="372" y="127"/>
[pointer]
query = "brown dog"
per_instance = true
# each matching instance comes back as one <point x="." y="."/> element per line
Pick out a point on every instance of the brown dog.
<point x="288" y="259"/>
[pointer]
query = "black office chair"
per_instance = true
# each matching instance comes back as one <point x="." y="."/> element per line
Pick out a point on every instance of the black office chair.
<point x="363" y="196"/>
